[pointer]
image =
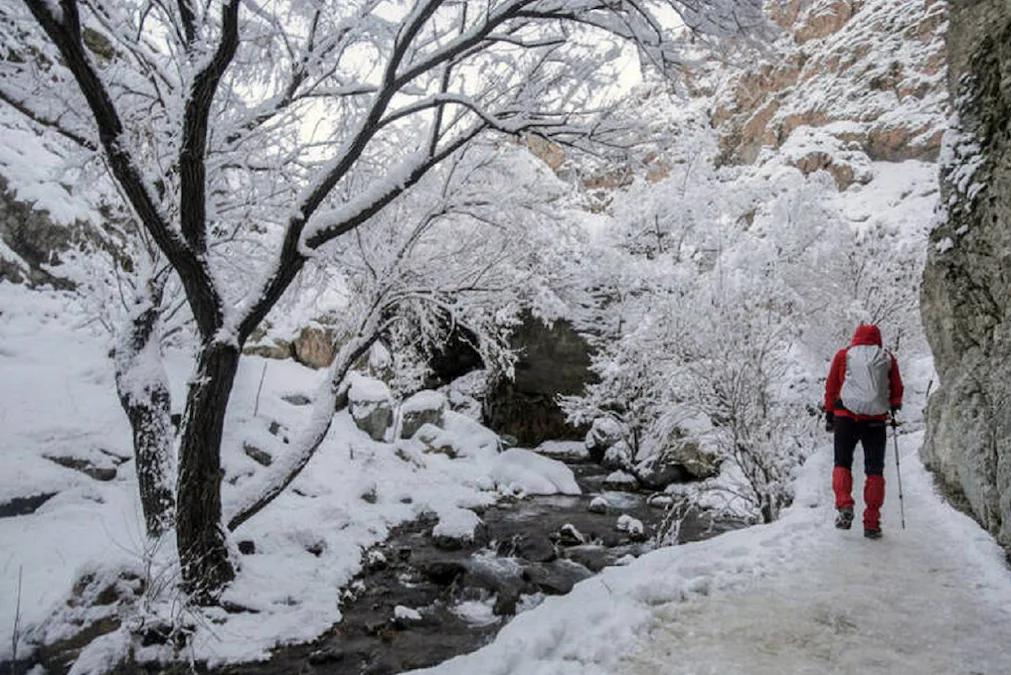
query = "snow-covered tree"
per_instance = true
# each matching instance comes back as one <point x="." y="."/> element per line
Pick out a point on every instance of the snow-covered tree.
<point x="237" y="120"/>
<point x="455" y="254"/>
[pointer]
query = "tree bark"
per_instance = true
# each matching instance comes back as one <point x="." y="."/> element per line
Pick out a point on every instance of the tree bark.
<point x="201" y="539"/>
<point x="142" y="385"/>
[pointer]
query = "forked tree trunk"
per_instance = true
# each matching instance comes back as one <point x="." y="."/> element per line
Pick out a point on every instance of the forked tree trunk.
<point x="143" y="391"/>
<point x="200" y="536"/>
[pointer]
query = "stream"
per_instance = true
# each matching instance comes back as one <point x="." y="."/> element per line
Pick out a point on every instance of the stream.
<point x="417" y="604"/>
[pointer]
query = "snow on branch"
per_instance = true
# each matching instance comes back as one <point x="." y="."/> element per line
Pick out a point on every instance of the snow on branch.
<point x="330" y="397"/>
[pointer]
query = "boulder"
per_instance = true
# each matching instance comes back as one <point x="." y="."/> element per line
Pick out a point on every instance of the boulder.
<point x="618" y="457"/>
<point x="695" y="461"/>
<point x="435" y="441"/>
<point x="370" y="404"/>
<point x="457" y="528"/>
<point x="99" y="599"/>
<point x="535" y="547"/>
<point x="425" y="407"/>
<point x="315" y="346"/>
<point x="548" y="580"/>
<point x="632" y="526"/>
<point x="275" y="349"/>
<point x="442" y="572"/>
<point x="95" y="465"/>
<point x="296" y="399"/>
<point x="568" y="535"/>
<point x="598" y="505"/>
<point x="622" y="481"/>
<point x="22" y="506"/>
<point x="261" y="457"/>
<point x="604" y="432"/>
<point x="659" y="471"/>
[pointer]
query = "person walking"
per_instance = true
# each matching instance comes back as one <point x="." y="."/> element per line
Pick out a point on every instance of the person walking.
<point x="862" y="389"/>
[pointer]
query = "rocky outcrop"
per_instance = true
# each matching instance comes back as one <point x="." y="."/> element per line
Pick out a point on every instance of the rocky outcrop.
<point x="870" y="71"/>
<point x="554" y="361"/>
<point x="32" y="244"/>
<point x="966" y="292"/>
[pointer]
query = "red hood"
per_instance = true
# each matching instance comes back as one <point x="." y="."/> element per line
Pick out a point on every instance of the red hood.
<point x="866" y="334"/>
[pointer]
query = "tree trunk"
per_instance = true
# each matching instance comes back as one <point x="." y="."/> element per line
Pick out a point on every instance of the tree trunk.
<point x="201" y="539"/>
<point x="143" y="391"/>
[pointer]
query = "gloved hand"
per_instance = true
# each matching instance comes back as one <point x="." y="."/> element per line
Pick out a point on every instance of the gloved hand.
<point x="829" y="421"/>
<point x="894" y="409"/>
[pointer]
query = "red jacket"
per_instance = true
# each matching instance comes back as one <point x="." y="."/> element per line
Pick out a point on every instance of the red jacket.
<point x="865" y="335"/>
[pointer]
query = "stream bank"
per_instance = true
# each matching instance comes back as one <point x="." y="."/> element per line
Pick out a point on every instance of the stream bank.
<point x="417" y="603"/>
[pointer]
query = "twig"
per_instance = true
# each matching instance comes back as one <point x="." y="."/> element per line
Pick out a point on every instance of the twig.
<point x="17" y="626"/>
<point x="256" y="406"/>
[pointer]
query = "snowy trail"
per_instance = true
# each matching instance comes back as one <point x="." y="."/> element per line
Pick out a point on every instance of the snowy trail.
<point x="791" y="598"/>
<point x="921" y="600"/>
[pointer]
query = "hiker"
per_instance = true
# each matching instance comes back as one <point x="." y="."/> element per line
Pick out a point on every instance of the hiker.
<point x="863" y="387"/>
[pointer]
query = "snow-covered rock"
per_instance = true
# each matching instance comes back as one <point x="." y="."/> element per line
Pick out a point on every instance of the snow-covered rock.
<point x="370" y="403"/>
<point x="464" y="394"/>
<point x="633" y="526"/>
<point x="456" y="527"/>
<point x="604" y="432"/>
<point x="568" y="535"/>
<point x="523" y="472"/>
<point x="620" y="480"/>
<point x="599" y="505"/>
<point x="659" y="471"/>
<point x="692" y="458"/>
<point x="406" y="615"/>
<point x="425" y="407"/>
<point x="617" y="457"/>
<point x="660" y="501"/>
<point x="436" y="440"/>
<point x="572" y="451"/>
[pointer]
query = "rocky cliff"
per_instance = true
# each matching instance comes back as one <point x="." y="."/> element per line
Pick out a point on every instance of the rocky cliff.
<point x="966" y="293"/>
<point x="867" y="73"/>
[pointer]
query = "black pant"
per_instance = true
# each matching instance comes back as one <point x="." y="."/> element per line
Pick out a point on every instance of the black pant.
<point x="871" y="434"/>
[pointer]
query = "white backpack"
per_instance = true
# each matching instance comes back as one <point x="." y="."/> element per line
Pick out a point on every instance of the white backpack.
<point x="866" y="389"/>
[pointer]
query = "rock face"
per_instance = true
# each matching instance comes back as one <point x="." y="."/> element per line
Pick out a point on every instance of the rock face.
<point x="555" y="361"/>
<point x="35" y="243"/>
<point x="966" y="292"/>
<point x="869" y="72"/>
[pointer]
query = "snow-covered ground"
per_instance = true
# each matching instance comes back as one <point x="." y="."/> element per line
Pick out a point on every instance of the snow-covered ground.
<point x="58" y="399"/>
<point x="797" y="596"/>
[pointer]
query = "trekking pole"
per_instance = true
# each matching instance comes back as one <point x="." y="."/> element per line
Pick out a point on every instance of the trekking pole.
<point x="898" y="469"/>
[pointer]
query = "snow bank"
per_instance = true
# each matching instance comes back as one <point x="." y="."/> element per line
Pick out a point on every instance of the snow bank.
<point x="58" y="396"/>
